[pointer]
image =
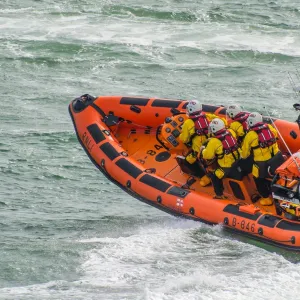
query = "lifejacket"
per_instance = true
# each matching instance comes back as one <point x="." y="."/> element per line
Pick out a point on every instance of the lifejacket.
<point x="266" y="138"/>
<point x="229" y="143"/>
<point x="201" y="123"/>
<point x="242" y="118"/>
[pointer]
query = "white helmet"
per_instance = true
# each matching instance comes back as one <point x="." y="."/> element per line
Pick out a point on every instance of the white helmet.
<point x="193" y="107"/>
<point x="233" y="110"/>
<point x="216" y="125"/>
<point x="254" y="118"/>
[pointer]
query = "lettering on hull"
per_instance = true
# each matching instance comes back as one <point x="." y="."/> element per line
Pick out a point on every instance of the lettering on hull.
<point x="88" y="142"/>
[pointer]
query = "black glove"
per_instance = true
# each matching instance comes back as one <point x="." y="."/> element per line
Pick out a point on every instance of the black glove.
<point x="189" y="144"/>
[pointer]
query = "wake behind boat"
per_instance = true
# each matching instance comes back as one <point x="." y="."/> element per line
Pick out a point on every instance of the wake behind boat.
<point x="135" y="143"/>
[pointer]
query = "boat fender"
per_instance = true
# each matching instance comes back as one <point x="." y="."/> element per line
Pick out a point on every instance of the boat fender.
<point x="159" y="199"/>
<point x="226" y="221"/>
<point x="293" y="240"/>
<point x="260" y="231"/>
<point x="192" y="210"/>
<point x="128" y="184"/>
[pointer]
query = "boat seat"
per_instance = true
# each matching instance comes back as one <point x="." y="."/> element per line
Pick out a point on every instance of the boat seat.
<point x="239" y="183"/>
<point x="241" y="189"/>
<point x="236" y="189"/>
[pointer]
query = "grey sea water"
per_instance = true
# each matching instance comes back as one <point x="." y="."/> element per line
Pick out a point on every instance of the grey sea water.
<point x="66" y="231"/>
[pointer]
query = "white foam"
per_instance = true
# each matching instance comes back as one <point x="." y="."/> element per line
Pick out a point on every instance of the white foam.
<point x="176" y="259"/>
<point x="165" y="263"/>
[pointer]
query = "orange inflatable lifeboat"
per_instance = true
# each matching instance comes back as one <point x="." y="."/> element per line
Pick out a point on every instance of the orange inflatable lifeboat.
<point x="134" y="143"/>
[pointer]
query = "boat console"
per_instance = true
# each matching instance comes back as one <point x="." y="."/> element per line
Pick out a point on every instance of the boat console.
<point x="171" y="130"/>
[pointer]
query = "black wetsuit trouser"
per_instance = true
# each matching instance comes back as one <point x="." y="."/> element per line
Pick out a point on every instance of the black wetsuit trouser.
<point x="217" y="184"/>
<point x="246" y="165"/>
<point x="195" y="169"/>
<point x="263" y="186"/>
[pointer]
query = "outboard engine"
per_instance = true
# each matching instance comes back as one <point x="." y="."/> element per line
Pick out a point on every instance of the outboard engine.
<point x="286" y="187"/>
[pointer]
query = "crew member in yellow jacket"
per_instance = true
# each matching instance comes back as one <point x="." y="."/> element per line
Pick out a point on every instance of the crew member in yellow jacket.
<point x="240" y="126"/>
<point x="195" y="132"/>
<point x="239" y="121"/>
<point x="261" y="140"/>
<point x="224" y="146"/>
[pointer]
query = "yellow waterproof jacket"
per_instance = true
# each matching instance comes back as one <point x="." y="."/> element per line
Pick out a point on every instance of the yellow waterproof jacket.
<point x="215" y="148"/>
<point x="188" y="131"/>
<point x="259" y="154"/>
<point x="237" y="127"/>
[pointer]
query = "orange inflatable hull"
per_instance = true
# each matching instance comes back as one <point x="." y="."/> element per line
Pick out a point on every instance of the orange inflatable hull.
<point x="124" y="138"/>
